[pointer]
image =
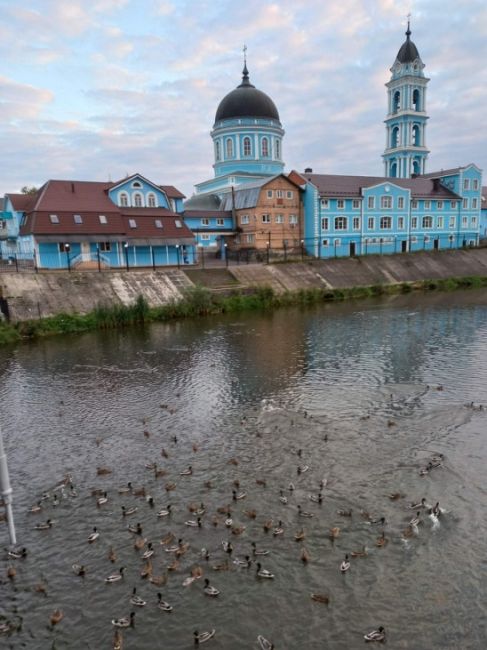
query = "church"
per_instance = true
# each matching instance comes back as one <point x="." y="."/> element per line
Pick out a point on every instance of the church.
<point x="408" y="209"/>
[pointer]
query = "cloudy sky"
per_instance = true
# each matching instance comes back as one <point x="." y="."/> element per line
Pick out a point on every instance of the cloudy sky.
<point x="97" y="89"/>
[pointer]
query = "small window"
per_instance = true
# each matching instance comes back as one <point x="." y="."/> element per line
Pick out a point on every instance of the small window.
<point x="340" y="204"/>
<point x="158" y="223"/>
<point x="464" y="222"/>
<point x="132" y="223"/>
<point x="279" y="194"/>
<point x="341" y="223"/>
<point x="414" y="204"/>
<point x="326" y="242"/>
<point x="151" y="200"/>
<point x="400" y="223"/>
<point x="105" y="246"/>
<point x="439" y="222"/>
<point x="475" y="184"/>
<point x="356" y="204"/>
<point x="229" y="145"/>
<point x="439" y="205"/>
<point x="293" y="219"/>
<point x="325" y="203"/>
<point x="102" y="218"/>
<point x="136" y="184"/>
<point x="124" y="200"/>
<point x="414" y="240"/>
<point x="400" y="203"/>
<point x="217" y="150"/>
<point x="356" y="223"/>
<point x="427" y="205"/>
<point x="137" y="200"/>
<point x="474" y="204"/>
<point x="250" y="239"/>
<point x="178" y="223"/>
<point x="371" y="223"/>
<point x="465" y="204"/>
<point x="54" y="218"/>
<point x="414" y="222"/>
<point x="452" y="222"/>
<point x="289" y="194"/>
<point x="266" y="218"/>
<point x="466" y="184"/>
<point x="325" y="223"/>
<point x="244" y="219"/>
<point x="453" y="205"/>
<point x="205" y="237"/>
<point x="386" y="202"/>
<point x="279" y="218"/>
<point x="205" y="221"/>
<point x="474" y="221"/>
<point x="220" y="221"/>
<point x="77" y="218"/>
<point x="270" y="194"/>
<point x="371" y="202"/>
<point x="427" y="222"/>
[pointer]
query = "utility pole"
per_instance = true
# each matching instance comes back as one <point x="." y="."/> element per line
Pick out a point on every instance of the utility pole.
<point x="6" y="492"/>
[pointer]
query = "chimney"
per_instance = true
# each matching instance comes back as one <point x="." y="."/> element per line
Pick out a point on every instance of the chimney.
<point x="308" y="170"/>
<point x="72" y="188"/>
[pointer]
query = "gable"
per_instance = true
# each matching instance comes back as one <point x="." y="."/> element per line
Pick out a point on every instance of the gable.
<point x="137" y="191"/>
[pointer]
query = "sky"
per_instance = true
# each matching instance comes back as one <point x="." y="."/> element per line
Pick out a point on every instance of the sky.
<point x="99" y="89"/>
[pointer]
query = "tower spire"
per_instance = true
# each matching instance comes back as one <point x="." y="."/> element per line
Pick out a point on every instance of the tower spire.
<point x="245" y="72"/>
<point x="408" y="33"/>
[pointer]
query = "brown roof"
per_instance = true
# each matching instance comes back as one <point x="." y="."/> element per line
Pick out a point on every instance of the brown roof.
<point x="74" y="196"/>
<point x="172" y="192"/>
<point x="39" y="223"/>
<point x="23" y="202"/>
<point x="146" y="226"/>
<point x="332" y="185"/>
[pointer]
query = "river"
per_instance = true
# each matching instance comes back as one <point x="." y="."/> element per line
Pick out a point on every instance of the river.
<point x="363" y="394"/>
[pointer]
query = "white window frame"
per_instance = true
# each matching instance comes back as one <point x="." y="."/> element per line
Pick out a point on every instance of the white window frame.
<point x="123" y="199"/>
<point x="371" y="202"/>
<point x="229" y="148"/>
<point x="439" y="205"/>
<point x="103" y="219"/>
<point x="473" y="222"/>
<point x="266" y="218"/>
<point x="293" y="219"/>
<point x="279" y="194"/>
<point x="465" y="204"/>
<point x="453" y="205"/>
<point x="466" y="183"/>
<point x="105" y="246"/>
<point x="325" y="223"/>
<point x="78" y="219"/>
<point x="289" y="194"/>
<point x="137" y="197"/>
<point x="452" y="222"/>
<point x="205" y="236"/>
<point x="423" y="222"/>
<point x="356" y="204"/>
<point x="439" y="222"/>
<point x="427" y="204"/>
<point x="158" y="223"/>
<point x="220" y="221"/>
<point x="340" y="204"/>
<point x="325" y="204"/>
<point x="178" y="223"/>
<point x="204" y="222"/>
<point x="475" y="184"/>
<point x="474" y="204"/>
<point x="247" y="146"/>
<point x="279" y="218"/>
<point x="370" y="223"/>
<point x="341" y="223"/>
<point x="385" y="223"/>
<point x="270" y="194"/>
<point x="355" y="223"/>
<point x="414" y="222"/>
<point x="414" y="204"/>
<point x="400" y="223"/>
<point x="400" y="203"/>
<point x="386" y="202"/>
<point x="464" y="222"/>
<point x="250" y="238"/>
<point x="244" y="219"/>
<point x="264" y="147"/>
<point x="151" y="199"/>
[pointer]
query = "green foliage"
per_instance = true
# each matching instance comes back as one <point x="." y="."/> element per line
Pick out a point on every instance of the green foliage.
<point x="28" y="190"/>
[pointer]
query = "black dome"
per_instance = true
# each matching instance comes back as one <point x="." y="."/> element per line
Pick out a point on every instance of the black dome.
<point x="408" y="51"/>
<point x="246" y="101"/>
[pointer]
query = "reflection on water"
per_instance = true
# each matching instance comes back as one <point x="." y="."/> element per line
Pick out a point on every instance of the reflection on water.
<point x="363" y="394"/>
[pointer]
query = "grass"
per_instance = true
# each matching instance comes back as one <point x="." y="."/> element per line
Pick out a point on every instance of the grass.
<point x="200" y="301"/>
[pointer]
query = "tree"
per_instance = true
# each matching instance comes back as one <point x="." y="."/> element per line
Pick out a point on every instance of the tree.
<point x="28" y="190"/>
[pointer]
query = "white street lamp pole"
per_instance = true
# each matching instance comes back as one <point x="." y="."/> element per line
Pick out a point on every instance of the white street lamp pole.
<point x="6" y="491"/>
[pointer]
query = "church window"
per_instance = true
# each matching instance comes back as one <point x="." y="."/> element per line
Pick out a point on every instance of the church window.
<point x="416" y="136"/>
<point x="124" y="199"/>
<point x="414" y="222"/>
<point x="340" y="204"/>
<point x="427" y="222"/>
<point x="466" y="184"/>
<point x="217" y="150"/>
<point x="385" y="223"/>
<point x="266" y="218"/>
<point x="400" y="203"/>
<point x="325" y="223"/>
<point x="396" y="101"/>
<point x="452" y="222"/>
<point x="356" y="223"/>
<point x="386" y="202"/>
<point x="393" y="169"/>
<point x="371" y="202"/>
<point x="341" y="223"/>
<point x="465" y="204"/>
<point x="427" y="205"/>
<point x="371" y="223"/>
<point x="265" y="146"/>
<point x="416" y="105"/>
<point x="416" y="168"/>
<point x="151" y="200"/>
<point x="138" y="200"/>
<point x="453" y="205"/>
<point x="474" y="204"/>
<point x="356" y="204"/>
<point x="278" y="149"/>
<point x="229" y="148"/>
<point x="244" y="219"/>
<point x="247" y="149"/>
<point x="400" y="223"/>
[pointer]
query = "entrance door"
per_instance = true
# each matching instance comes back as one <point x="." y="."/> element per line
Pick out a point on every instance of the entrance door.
<point x="85" y="251"/>
<point x="352" y="249"/>
<point x="436" y="244"/>
<point x="404" y="246"/>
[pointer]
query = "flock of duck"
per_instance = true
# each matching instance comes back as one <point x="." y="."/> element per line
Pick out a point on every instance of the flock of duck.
<point x="230" y="521"/>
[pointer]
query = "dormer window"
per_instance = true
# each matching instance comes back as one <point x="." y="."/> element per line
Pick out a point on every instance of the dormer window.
<point x="103" y="219"/>
<point x="132" y="223"/>
<point x="77" y="218"/>
<point x="177" y="223"/>
<point x="138" y="200"/>
<point x="151" y="200"/>
<point x="54" y="218"/>
<point x="158" y="223"/>
<point x="136" y="184"/>
<point x="123" y="200"/>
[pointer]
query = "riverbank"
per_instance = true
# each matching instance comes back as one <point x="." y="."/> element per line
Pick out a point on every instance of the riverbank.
<point x="200" y="301"/>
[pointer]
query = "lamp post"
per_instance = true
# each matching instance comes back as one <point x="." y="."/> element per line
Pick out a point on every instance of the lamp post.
<point x="302" y="250"/>
<point x="67" y="248"/>
<point x="126" y="249"/>
<point x="177" y="255"/>
<point x="6" y="492"/>
<point x="225" y="246"/>
<point x="202" y="255"/>
<point x="268" y="249"/>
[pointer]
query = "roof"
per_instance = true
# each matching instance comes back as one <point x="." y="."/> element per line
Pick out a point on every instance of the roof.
<point x="247" y="196"/>
<point x="207" y="213"/>
<point x="446" y="172"/>
<point x="332" y="185"/>
<point x="172" y="192"/>
<point x="205" y="201"/>
<point x="408" y="52"/>
<point x="246" y="101"/>
<point x="22" y="202"/>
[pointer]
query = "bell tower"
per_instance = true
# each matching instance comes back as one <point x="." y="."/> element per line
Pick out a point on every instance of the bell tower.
<point x="406" y="152"/>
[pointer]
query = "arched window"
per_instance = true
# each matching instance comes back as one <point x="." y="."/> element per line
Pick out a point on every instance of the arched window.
<point x="229" y="148"/>
<point x="137" y="200"/>
<point x="393" y="171"/>
<point x="136" y="184"/>
<point x="416" y="104"/>
<point x="151" y="200"/>
<point x="278" y="149"/>
<point x="123" y="199"/>
<point x="247" y="150"/>
<point x="217" y="150"/>
<point x="396" y="101"/>
<point x="395" y="137"/>
<point x="416" y="169"/>
<point x="265" y="147"/>
<point x="427" y="222"/>
<point x="416" y="135"/>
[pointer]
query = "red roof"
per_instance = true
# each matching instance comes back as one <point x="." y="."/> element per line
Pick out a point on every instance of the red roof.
<point x="172" y="192"/>
<point x="23" y="202"/>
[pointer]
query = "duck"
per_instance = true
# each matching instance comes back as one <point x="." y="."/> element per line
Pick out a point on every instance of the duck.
<point x="320" y="598"/>
<point x="377" y="522"/>
<point x="345" y="565"/>
<point x="56" y="617"/>
<point x="93" y="536"/>
<point x="282" y="498"/>
<point x="112" y="556"/>
<point x="436" y="510"/>
<point x="415" y="520"/>
<point x="316" y="498"/>
<point x="115" y="577"/>
<point x="334" y="533"/>
<point x="159" y="472"/>
<point x="151" y="466"/>
<point x="149" y="552"/>
<point x="162" y="604"/>
<point x="11" y="572"/>
<point x="146" y="570"/>
<point x="246" y="562"/>
<point x="164" y="453"/>
<point x="193" y="523"/>
<point x="263" y="573"/>
<point x="44" y="526"/>
<point x="382" y="540"/>
<point x="137" y="600"/>
<point x="251" y="514"/>
<point x="258" y="551"/>
<point x="169" y="487"/>
<point x="182" y="548"/>
<point x="305" y="556"/>
<point x="238" y="496"/>
<point x="159" y="581"/>
<point x="167" y="539"/>
<point x="135" y="529"/>
<point x="394" y="496"/>
<point x="267" y="526"/>
<point x="376" y="635"/>
<point x="101" y="500"/>
<point x="103" y="471"/>
<point x="209" y="590"/>
<point x="232" y="461"/>
<point x="165" y="512"/>
<point x="278" y="530"/>
<point x="264" y="643"/>
<point x="303" y="513"/>
<point x="424" y="470"/>
<point x="125" y="490"/>
<point x="202" y="637"/>
<point x="344" y="513"/>
<point x="36" y="508"/>
<point x="300" y="535"/>
<point x="362" y="553"/>
<point x="126" y="512"/>
<point x="228" y="522"/>
<point x="291" y="487"/>
<point x="227" y="547"/>
<point x="186" y="472"/>
<point x="139" y="492"/>
<point x="238" y="530"/>
<point x="223" y="566"/>
<point x="197" y="509"/>
<point x="17" y="553"/>
<point x="174" y="565"/>
<point x="261" y="481"/>
<point x="302" y="469"/>
<point x="79" y="570"/>
<point x="124" y="622"/>
<point x="208" y="485"/>
<point x="421" y="504"/>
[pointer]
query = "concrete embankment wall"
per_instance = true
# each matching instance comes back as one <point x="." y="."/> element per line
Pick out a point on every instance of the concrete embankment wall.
<point x="46" y="294"/>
